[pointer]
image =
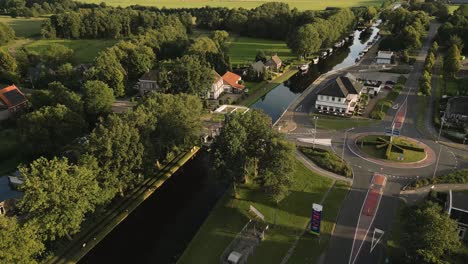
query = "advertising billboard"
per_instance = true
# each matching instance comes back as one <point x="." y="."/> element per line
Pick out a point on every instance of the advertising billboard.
<point x="316" y="219"/>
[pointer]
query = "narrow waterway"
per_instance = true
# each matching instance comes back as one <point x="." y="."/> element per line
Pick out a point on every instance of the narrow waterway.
<point x="160" y="229"/>
<point x="277" y="100"/>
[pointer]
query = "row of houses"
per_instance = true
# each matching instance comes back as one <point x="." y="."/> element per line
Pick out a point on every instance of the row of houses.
<point x="229" y="82"/>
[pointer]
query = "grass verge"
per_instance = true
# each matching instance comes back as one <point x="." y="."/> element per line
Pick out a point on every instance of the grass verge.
<point x="230" y="215"/>
<point x="308" y="248"/>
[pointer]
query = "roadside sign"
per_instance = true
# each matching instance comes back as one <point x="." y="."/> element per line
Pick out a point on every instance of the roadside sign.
<point x="376" y="237"/>
<point x="316" y="219"/>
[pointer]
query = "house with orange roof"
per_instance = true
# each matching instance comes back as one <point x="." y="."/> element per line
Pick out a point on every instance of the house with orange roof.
<point x="11" y="100"/>
<point x="231" y="83"/>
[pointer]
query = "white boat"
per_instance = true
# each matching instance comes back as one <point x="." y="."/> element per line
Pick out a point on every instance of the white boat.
<point x="323" y="54"/>
<point x="304" y="67"/>
<point x="330" y="51"/>
<point x="346" y="39"/>
<point x="315" y="60"/>
<point x="337" y="45"/>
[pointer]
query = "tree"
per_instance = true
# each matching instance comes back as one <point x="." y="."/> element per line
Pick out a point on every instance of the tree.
<point x="452" y="62"/>
<point x="7" y="62"/>
<point x="6" y="34"/>
<point x="57" y="94"/>
<point x="429" y="234"/>
<point x="204" y="45"/>
<point x="20" y="243"/>
<point x="57" y="195"/>
<point x="220" y="37"/>
<point x="457" y="41"/>
<point x="116" y="145"/>
<point x="107" y="68"/>
<point x="98" y="98"/>
<point x="56" y="55"/>
<point x="306" y="40"/>
<point x="191" y="75"/>
<point x="136" y="59"/>
<point x="47" y="130"/>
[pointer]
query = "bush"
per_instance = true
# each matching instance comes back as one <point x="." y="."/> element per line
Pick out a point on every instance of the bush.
<point x="460" y="176"/>
<point x="377" y="115"/>
<point x="327" y="160"/>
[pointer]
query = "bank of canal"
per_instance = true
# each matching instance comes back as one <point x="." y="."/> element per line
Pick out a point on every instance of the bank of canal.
<point x="160" y="229"/>
<point x="277" y="100"/>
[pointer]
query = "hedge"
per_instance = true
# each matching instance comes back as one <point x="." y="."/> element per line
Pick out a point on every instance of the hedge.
<point x="327" y="160"/>
<point x="460" y="176"/>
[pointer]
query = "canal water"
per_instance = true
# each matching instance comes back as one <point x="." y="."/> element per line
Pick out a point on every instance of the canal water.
<point x="160" y="229"/>
<point x="277" y="100"/>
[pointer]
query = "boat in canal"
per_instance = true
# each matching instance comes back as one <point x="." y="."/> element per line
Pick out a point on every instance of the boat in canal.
<point x="315" y="60"/>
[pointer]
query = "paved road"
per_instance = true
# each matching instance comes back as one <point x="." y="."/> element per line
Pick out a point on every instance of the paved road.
<point x="298" y="114"/>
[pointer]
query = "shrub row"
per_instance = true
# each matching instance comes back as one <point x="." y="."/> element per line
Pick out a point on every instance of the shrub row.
<point x="460" y="176"/>
<point x="327" y="160"/>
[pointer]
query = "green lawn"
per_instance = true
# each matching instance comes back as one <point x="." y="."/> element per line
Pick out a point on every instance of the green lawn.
<point x="339" y="123"/>
<point x="84" y="50"/>
<point x="453" y="8"/>
<point x="373" y="150"/>
<point x="308" y="247"/>
<point x="299" y="4"/>
<point x="242" y="50"/>
<point x="24" y="27"/>
<point x="230" y="215"/>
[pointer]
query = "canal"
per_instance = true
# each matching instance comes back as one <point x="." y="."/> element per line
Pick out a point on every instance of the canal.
<point x="277" y="100"/>
<point x="160" y="229"/>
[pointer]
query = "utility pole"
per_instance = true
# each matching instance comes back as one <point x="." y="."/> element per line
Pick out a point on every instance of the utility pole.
<point x="344" y="143"/>
<point x="315" y="118"/>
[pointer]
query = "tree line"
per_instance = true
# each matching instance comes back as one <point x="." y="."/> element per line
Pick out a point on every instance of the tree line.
<point x="456" y="25"/>
<point x="425" y="80"/>
<point x="34" y="8"/>
<point x="107" y="22"/>
<point x="406" y="28"/>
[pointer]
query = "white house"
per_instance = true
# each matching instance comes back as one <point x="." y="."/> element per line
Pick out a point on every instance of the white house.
<point x="384" y="57"/>
<point x="217" y="88"/>
<point x="340" y="96"/>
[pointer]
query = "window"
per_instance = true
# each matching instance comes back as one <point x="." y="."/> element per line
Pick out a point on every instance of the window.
<point x="333" y="98"/>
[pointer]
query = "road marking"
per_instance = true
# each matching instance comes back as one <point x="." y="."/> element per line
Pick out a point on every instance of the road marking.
<point x="375" y="241"/>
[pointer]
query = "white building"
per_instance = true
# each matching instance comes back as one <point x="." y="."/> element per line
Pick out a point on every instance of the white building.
<point x="339" y="96"/>
<point x="217" y="88"/>
<point x="384" y="57"/>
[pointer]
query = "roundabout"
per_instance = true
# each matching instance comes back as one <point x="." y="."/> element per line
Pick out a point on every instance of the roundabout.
<point x="396" y="152"/>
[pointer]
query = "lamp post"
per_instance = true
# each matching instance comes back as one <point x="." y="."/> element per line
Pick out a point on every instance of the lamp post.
<point x="315" y="118"/>
<point x="437" y="162"/>
<point x="441" y="126"/>
<point x="344" y="143"/>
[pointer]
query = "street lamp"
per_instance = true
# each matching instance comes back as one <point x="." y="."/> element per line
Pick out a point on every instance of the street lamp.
<point x="441" y="126"/>
<point x="315" y="118"/>
<point x="344" y="143"/>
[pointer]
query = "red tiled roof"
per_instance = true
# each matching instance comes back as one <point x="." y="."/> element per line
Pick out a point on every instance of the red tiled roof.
<point x="11" y="96"/>
<point x="232" y="79"/>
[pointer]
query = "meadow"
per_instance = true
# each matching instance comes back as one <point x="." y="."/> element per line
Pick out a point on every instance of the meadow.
<point x="85" y="50"/>
<point x="299" y="4"/>
<point x="230" y="215"/>
<point x="24" y="27"/>
<point x="242" y="50"/>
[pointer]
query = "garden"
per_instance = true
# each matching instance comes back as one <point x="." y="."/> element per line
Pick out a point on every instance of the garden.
<point x="391" y="148"/>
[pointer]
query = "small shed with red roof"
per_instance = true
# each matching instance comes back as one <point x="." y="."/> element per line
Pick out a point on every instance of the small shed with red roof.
<point x="12" y="99"/>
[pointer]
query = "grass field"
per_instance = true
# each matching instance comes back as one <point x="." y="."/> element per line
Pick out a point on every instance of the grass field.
<point x="24" y="27"/>
<point x="242" y="50"/>
<point x="230" y="215"/>
<point x="452" y="8"/>
<point x="299" y="4"/>
<point x="84" y="50"/>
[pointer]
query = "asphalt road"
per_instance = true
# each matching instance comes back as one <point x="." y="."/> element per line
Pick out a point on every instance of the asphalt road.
<point x="341" y="243"/>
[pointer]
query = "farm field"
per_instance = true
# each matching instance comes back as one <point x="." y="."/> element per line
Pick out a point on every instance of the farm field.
<point x="24" y="27"/>
<point x="230" y="215"/>
<point x="242" y="50"/>
<point x="84" y="50"/>
<point x="299" y="4"/>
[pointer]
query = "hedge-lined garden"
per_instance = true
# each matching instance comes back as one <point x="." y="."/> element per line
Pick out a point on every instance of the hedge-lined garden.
<point x="327" y="160"/>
